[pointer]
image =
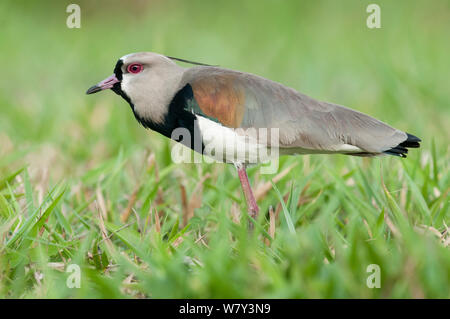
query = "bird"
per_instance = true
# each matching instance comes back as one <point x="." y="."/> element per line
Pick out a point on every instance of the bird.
<point x="222" y="114"/>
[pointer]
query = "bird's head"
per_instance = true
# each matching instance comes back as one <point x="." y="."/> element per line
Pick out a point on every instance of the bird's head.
<point x="147" y="81"/>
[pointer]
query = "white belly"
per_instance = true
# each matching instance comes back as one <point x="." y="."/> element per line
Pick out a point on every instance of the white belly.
<point x="230" y="145"/>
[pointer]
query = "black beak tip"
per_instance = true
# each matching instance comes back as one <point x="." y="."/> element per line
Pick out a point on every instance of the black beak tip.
<point x="93" y="89"/>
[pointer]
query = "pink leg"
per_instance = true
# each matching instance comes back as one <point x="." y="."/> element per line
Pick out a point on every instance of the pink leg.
<point x="248" y="193"/>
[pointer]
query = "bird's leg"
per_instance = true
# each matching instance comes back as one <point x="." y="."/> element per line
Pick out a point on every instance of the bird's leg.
<point x="248" y="193"/>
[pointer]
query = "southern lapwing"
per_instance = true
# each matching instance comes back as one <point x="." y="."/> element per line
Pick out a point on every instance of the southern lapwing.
<point x="220" y="113"/>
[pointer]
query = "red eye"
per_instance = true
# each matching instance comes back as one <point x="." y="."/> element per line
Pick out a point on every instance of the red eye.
<point x="135" y="68"/>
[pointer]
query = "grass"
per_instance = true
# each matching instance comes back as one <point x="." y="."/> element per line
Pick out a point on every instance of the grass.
<point x="81" y="183"/>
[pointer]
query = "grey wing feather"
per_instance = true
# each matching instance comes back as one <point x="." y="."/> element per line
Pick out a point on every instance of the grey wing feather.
<point x="304" y="122"/>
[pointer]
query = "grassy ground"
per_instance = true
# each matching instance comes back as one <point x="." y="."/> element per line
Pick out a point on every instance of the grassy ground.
<point x="81" y="183"/>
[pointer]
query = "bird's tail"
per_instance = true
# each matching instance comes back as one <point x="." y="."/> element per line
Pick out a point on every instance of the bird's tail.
<point x="402" y="148"/>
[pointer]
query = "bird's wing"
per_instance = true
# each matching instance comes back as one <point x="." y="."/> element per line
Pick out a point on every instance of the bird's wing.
<point x="241" y="100"/>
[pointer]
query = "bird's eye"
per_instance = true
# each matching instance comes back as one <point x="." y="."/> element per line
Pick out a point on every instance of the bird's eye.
<point x="135" y="68"/>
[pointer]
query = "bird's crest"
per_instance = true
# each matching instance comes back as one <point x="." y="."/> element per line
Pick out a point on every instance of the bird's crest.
<point x="190" y="62"/>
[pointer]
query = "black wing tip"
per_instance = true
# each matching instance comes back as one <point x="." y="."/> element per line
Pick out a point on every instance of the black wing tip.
<point x="402" y="148"/>
<point x="411" y="141"/>
<point x="413" y="138"/>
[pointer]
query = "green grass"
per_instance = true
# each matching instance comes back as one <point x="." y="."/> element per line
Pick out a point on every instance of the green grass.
<point x="81" y="183"/>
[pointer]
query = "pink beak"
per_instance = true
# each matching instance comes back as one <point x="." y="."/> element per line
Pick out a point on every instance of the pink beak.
<point x="107" y="83"/>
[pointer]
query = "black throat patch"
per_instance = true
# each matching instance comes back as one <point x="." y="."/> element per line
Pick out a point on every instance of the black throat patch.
<point x="117" y="88"/>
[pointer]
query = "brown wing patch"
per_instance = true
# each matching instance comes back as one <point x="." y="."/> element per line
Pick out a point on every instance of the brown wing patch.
<point x="220" y="97"/>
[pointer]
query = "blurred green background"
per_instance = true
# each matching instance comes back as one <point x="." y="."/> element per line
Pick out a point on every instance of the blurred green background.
<point x="398" y="73"/>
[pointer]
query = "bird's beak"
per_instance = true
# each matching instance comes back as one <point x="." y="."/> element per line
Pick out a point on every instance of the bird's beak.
<point x="107" y="83"/>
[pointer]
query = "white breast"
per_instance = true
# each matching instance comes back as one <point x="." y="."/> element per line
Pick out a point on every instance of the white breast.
<point x="230" y="145"/>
